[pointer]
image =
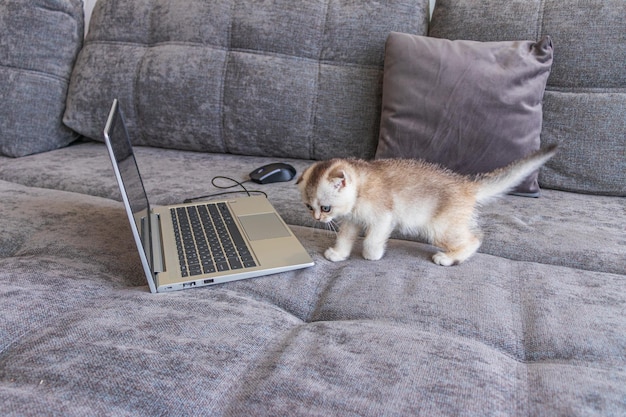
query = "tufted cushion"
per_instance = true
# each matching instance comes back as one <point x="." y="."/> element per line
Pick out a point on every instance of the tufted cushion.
<point x="39" y="41"/>
<point x="279" y="78"/>
<point x="585" y="99"/>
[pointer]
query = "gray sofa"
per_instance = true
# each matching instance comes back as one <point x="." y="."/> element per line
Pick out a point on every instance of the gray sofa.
<point x="534" y="324"/>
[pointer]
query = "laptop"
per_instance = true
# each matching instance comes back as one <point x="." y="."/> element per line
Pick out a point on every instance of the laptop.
<point x="202" y="243"/>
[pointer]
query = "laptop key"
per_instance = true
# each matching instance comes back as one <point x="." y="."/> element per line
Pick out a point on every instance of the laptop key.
<point x="222" y="266"/>
<point x="195" y="269"/>
<point x="235" y="263"/>
<point x="249" y="264"/>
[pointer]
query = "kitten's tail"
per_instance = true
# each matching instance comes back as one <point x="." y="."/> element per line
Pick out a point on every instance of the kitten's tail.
<point x="496" y="183"/>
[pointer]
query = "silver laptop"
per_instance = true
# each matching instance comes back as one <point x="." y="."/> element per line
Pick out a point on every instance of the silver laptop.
<point x="192" y="245"/>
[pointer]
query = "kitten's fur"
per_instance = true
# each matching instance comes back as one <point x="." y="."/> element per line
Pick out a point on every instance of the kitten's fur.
<point x="415" y="197"/>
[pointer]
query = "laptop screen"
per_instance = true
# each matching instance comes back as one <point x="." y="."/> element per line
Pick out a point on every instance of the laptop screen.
<point x="131" y="180"/>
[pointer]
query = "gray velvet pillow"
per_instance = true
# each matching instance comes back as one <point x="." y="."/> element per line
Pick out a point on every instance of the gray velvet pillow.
<point x="469" y="106"/>
<point x="39" y="41"/>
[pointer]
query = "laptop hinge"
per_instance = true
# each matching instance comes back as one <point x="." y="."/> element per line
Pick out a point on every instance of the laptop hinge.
<point x="158" y="265"/>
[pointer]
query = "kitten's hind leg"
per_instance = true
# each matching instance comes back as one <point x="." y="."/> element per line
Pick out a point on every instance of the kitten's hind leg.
<point x="348" y="232"/>
<point x="456" y="250"/>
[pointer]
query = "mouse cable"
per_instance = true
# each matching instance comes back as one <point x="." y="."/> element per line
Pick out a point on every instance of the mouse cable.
<point x="226" y="187"/>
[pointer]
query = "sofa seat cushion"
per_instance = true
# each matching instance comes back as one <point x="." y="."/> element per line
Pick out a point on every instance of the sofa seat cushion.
<point x="39" y="41"/>
<point x="585" y="98"/>
<point x="561" y="228"/>
<point x="282" y="78"/>
<point x="398" y="336"/>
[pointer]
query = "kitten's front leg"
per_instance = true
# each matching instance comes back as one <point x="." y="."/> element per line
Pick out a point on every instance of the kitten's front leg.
<point x="348" y="232"/>
<point x="376" y="238"/>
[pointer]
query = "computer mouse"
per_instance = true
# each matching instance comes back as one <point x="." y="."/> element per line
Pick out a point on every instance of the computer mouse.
<point x="275" y="172"/>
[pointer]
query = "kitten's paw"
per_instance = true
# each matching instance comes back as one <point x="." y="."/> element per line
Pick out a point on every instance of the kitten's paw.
<point x="442" y="259"/>
<point x="373" y="254"/>
<point x="334" y="256"/>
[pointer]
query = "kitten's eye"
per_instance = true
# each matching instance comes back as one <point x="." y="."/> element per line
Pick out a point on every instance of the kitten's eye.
<point x="309" y="207"/>
<point x="325" y="209"/>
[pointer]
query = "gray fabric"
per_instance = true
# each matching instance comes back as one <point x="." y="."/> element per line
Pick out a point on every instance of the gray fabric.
<point x="600" y="156"/>
<point x="280" y="78"/>
<point x="533" y="325"/>
<point x="466" y="105"/>
<point x="585" y="98"/>
<point x="401" y="336"/>
<point x="561" y="228"/>
<point x="39" y="41"/>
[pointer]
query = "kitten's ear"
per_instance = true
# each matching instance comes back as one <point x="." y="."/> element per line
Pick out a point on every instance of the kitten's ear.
<point x="338" y="178"/>
<point x="301" y="178"/>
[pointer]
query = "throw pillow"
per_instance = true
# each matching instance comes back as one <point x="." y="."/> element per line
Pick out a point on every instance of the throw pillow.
<point x="469" y="106"/>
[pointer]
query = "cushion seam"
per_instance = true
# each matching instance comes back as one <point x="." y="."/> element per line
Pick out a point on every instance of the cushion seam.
<point x="315" y="103"/>
<point x="540" y="18"/>
<point x="244" y="50"/>
<point x="229" y="35"/>
<point x="35" y="72"/>
<point x="586" y="90"/>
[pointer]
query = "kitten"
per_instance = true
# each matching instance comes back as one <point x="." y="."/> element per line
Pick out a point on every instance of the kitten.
<point x="415" y="197"/>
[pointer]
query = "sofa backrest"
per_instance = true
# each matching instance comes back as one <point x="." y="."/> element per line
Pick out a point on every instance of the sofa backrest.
<point x="284" y="78"/>
<point x="584" y="108"/>
<point x="39" y="41"/>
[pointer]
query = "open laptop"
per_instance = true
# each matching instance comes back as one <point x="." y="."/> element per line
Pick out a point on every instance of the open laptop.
<point x="191" y="245"/>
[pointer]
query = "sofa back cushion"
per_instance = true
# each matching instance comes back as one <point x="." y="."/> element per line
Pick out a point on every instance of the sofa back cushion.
<point x="585" y="99"/>
<point x="39" y="41"/>
<point x="285" y="78"/>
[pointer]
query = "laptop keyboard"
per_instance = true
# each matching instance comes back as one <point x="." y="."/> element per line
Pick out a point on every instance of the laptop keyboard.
<point x="208" y="240"/>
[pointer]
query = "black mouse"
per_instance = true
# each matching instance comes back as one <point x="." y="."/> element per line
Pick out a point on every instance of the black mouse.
<point x="275" y="172"/>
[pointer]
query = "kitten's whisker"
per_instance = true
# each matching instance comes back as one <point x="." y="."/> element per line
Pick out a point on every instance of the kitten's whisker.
<point x="331" y="227"/>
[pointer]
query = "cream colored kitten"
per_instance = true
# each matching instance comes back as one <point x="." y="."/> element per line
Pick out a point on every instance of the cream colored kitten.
<point x="412" y="196"/>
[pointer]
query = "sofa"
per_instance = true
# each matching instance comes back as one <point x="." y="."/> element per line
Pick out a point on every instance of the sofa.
<point x="533" y="325"/>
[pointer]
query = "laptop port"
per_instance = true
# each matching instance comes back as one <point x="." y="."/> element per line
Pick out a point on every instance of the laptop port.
<point x="208" y="281"/>
<point x="189" y="284"/>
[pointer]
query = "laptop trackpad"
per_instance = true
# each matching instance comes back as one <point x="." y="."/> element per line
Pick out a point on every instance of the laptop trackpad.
<point x="263" y="226"/>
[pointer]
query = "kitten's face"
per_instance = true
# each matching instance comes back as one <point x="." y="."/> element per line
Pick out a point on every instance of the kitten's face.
<point x="326" y="191"/>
